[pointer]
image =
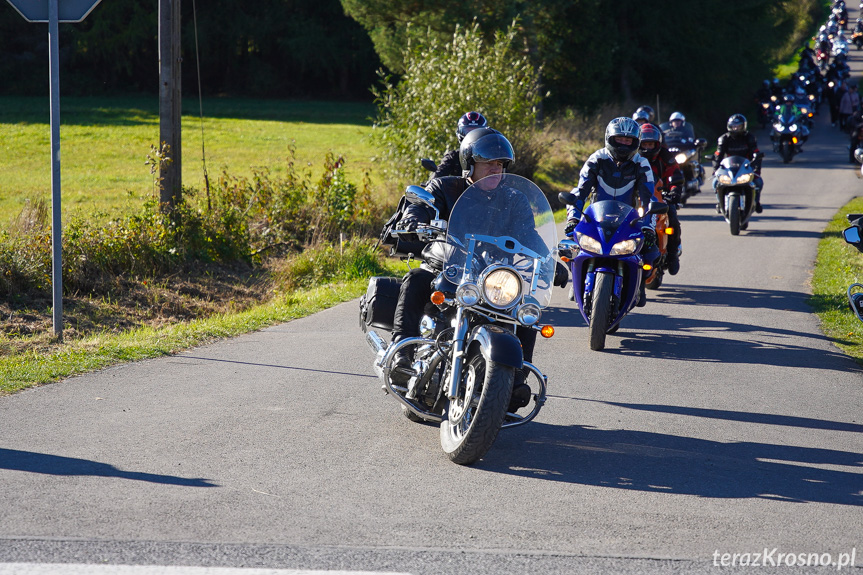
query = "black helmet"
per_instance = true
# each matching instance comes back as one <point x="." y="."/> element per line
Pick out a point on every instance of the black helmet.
<point x="737" y="123"/>
<point x="468" y="122"/>
<point x="484" y="145"/>
<point x="788" y="98"/>
<point x="649" y="133"/>
<point x="647" y="109"/>
<point x="627" y="128"/>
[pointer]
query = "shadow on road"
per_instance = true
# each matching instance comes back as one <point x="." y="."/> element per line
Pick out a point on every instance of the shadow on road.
<point x="47" y="464"/>
<point x="662" y="463"/>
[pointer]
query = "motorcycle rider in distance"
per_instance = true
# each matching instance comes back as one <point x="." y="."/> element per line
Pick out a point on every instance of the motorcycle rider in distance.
<point x="644" y="112"/>
<point x="677" y="128"/>
<point x="618" y="172"/>
<point x="737" y="141"/>
<point x="450" y="164"/>
<point x="668" y="178"/>
<point x="484" y="152"/>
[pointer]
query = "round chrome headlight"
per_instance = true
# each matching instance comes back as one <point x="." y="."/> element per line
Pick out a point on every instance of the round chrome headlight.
<point x="501" y="287"/>
<point x="529" y="314"/>
<point x="467" y="294"/>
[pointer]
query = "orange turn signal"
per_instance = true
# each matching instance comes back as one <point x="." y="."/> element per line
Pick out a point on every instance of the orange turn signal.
<point x="647" y="267"/>
<point x="565" y="259"/>
<point x="669" y="231"/>
<point x="794" y="139"/>
<point x="438" y="298"/>
<point x="547" y="331"/>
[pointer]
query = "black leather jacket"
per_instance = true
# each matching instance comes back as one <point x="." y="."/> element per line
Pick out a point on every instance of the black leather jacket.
<point x="738" y="144"/>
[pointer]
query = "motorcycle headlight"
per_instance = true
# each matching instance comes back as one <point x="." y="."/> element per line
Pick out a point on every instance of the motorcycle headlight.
<point x="745" y="178"/>
<point x="624" y="248"/>
<point x="793" y="127"/>
<point x="812" y="97"/>
<point x="778" y="127"/>
<point x="725" y="180"/>
<point x="681" y="158"/>
<point x="765" y="105"/>
<point x="467" y="294"/>
<point x="528" y="314"/>
<point x="501" y="288"/>
<point x="588" y="243"/>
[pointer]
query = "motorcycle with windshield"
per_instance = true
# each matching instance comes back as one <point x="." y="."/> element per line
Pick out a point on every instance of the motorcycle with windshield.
<point x="495" y="265"/>
<point x="789" y="133"/>
<point x="687" y="151"/>
<point x="735" y="189"/>
<point x="604" y="253"/>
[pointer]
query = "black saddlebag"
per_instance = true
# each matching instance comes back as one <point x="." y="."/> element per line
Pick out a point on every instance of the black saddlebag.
<point x="378" y="305"/>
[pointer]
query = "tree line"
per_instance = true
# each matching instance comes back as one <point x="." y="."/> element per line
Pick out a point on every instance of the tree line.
<point x="697" y="56"/>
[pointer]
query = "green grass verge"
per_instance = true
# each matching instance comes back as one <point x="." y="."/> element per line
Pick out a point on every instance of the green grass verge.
<point x="100" y="351"/>
<point x="837" y="266"/>
<point x="105" y="142"/>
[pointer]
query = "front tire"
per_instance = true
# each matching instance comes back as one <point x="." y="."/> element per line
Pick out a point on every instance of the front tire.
<point x="787" y="153"/>
<point x="600" y="314"/>
<point x="473" y="422"/>
<point x="655" y="280"/>
<point x="734" y="214"/>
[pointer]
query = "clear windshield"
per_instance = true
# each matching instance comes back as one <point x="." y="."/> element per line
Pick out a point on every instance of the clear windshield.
<point x="503" y="219"/>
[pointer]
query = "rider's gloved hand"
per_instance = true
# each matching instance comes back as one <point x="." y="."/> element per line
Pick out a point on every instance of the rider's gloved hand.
<point x="570" y="226"/>
<point x="671" y="195"/>
<point x="409" y="224"/>
<point x="649" y="237"/>
<point x="561" y="275"/>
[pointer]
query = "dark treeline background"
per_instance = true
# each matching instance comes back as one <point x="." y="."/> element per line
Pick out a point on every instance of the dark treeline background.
<point x="701" y="56"/>
<point x="263" y="48"/>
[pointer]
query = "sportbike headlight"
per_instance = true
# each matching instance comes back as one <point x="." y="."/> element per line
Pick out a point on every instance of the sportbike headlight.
<point x="624" y="248"/>
<point x="588" y="243"/>
<point x="793" y="127"/>
<point x="725" y="180"/>
<point x="745" y="178"/>
<point x="765" y="105"/>
<point x="501" y="288"/>
<point x="467" y="294"/>
<point x="681" y="158"/>
<point x="778" y="127"/>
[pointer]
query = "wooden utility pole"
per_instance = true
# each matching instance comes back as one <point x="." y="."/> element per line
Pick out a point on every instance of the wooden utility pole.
<point x="170" y="103"/>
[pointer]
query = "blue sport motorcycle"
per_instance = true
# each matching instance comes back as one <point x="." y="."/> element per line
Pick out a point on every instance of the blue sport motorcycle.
<point x="604" y="254"/>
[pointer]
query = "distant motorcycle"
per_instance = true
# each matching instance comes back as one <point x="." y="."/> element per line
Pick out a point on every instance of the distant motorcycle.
<point x="789" y="134"/>
<point x="687" y="152"/>
<point x="735" y="188"/>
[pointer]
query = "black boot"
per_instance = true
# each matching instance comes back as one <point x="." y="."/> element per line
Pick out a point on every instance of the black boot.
<point x="401" y="370"/>
<point x="673" y="263"/>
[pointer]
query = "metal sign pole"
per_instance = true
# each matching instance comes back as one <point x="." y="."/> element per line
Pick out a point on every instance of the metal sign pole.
<point x="56" y="229"/>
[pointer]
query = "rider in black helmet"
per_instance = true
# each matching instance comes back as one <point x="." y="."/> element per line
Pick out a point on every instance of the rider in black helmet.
<point x="737" y="141"/>
<point x="450" y="164"/>
<point x="483" y="152"/>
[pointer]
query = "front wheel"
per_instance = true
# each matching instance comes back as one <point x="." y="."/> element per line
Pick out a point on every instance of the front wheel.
<point x="787" y="153"/>
<point x="654" y="281"/>
<point x="474" y="419"/>
<point x="600" y="314"/>
<point x="734" y="214"/>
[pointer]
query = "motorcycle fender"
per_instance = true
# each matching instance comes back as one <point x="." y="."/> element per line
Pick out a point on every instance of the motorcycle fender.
<point x="497" y="344"/>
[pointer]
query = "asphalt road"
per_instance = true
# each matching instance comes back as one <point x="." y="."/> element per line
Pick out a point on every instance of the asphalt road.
<point x="719" y="420"/>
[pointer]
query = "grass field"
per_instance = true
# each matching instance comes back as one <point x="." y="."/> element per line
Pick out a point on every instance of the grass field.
<point x="838" y="265"/>
<point x="105" y="142"/>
